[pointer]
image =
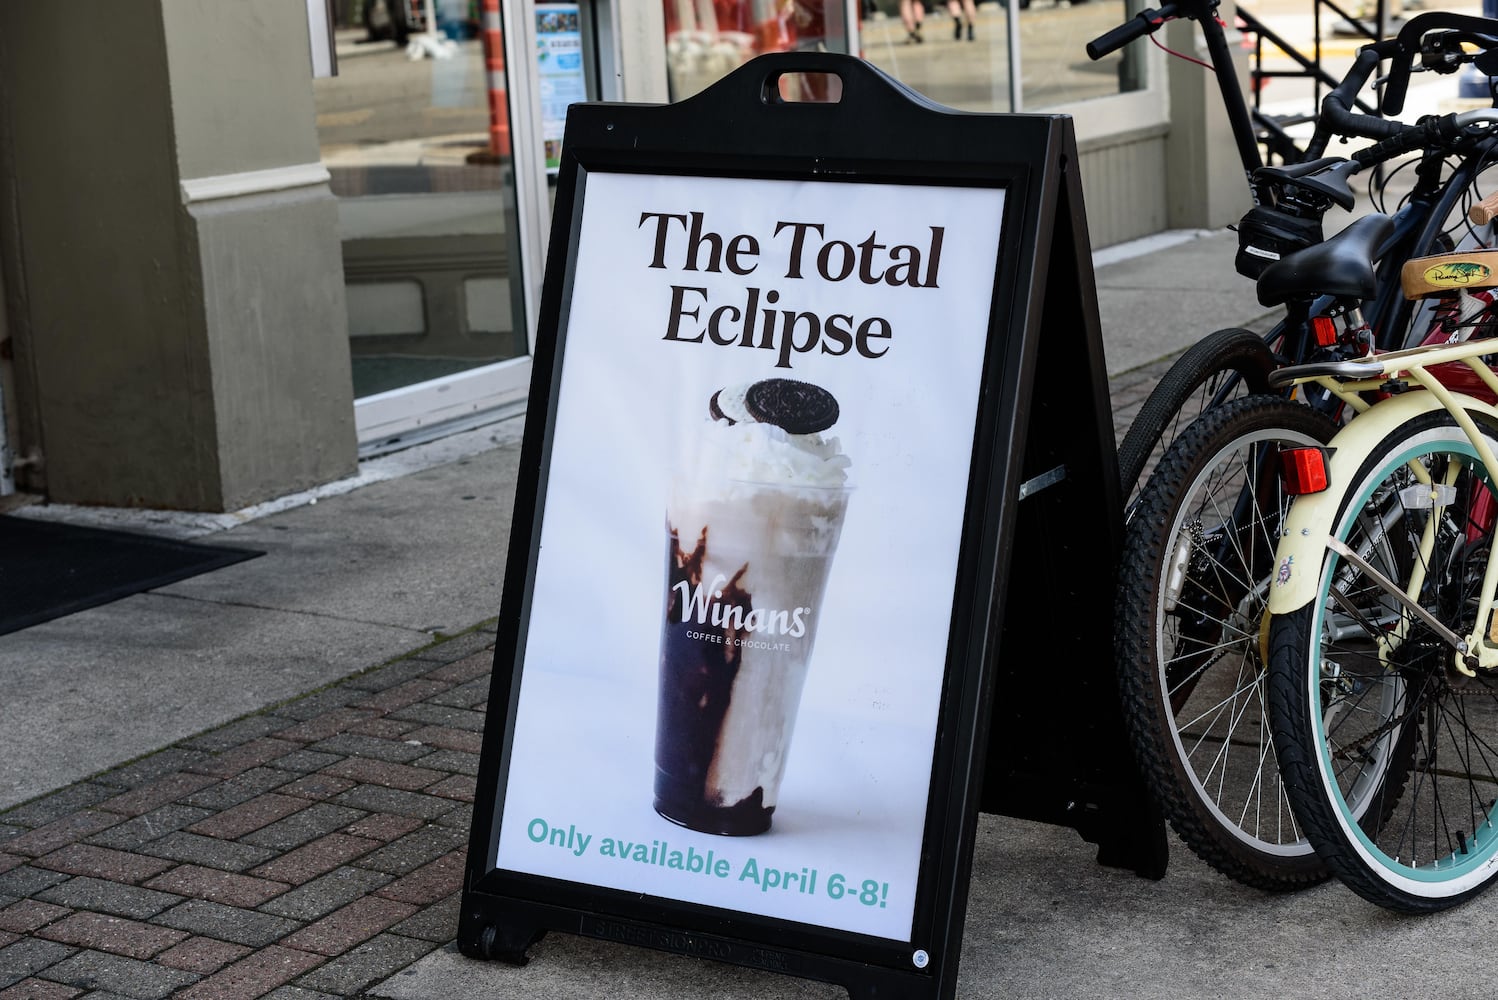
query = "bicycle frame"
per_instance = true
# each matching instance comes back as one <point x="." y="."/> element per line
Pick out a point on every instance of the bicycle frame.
<point x="1417" y="223"/>
<point x="1220" y="55"/>
<point x="1308" y="529"/>
<point x="1430" y="206"/>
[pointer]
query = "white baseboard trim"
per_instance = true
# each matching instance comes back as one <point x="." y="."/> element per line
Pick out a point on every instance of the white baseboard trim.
<point x="200" y="189"/>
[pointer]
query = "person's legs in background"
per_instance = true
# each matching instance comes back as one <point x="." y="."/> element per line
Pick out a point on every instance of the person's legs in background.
<point x="958" y="9"/>
<point x="395" y="14"/>
<point x="912" y="13"/>
<point x="398" y="22"/>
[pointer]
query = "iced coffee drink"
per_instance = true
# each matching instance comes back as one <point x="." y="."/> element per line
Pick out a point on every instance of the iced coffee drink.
<point x="752" y="523"/>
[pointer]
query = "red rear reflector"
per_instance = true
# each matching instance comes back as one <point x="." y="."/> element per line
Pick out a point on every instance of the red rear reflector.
<point x="1325" y="330"/>
<point x="1304" y="470"/>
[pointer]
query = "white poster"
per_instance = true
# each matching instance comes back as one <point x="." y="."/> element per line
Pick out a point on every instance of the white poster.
<point x="559" y="64"/>
<point x="738" y="629"/>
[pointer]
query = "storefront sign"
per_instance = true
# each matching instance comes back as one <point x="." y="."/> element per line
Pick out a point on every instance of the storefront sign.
<point x="742" y="678"/>
<point x="773" y="383"/>
<point x="559" y="68"/>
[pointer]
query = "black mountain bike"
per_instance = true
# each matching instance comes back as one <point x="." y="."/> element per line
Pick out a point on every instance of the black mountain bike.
<point x="1195" y="571"/>
<point x="1288" y="211"/>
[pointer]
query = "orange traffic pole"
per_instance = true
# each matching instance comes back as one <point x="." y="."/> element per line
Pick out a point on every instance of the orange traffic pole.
<point x="494" y="64"/>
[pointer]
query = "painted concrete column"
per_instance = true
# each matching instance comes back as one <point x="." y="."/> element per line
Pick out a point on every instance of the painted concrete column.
<point x="181" y="328"/>
<point x="1206" y="188"/>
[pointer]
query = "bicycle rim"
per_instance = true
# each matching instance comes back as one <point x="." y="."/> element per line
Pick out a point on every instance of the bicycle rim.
<point x="1195" y="580"/>
<point x="1391" y="719"/>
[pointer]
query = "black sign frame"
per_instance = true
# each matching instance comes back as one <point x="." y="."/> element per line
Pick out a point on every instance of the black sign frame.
<point x="1043" y="294"/>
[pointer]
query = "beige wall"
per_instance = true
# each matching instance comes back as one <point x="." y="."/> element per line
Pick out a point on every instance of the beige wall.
<point x="1207" y="186"/>
<point x="121" y="395"/>
<point x="170" y="355"/>
<point x="1123" y="184"/>
<point x="246" y="98"/>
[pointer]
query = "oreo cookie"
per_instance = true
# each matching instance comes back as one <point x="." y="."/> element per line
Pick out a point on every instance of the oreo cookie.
<point x="728" y="405"/>
<point x="715" y="411"/>
<point x="795" y="407"/>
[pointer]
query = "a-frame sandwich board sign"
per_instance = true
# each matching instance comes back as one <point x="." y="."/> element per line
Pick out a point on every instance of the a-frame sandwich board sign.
<point x="783" y="381"/>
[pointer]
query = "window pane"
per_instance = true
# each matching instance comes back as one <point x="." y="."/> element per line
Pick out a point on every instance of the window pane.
<point x="426" y="192"/>
<point x="956" y="54"/>
<point x="708" y="39"/>
<point x="1056" y="70"/>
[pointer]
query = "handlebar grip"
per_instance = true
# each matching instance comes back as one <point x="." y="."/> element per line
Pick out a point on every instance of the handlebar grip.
<point x="1484" y="211"/>
<point x="1143" y="23"/>
<point x="1337" y="119"/>
<point x="1429" y="132"/>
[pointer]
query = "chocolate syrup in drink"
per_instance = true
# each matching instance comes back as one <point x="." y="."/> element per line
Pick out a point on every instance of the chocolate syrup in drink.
<point x="746" y="569"/>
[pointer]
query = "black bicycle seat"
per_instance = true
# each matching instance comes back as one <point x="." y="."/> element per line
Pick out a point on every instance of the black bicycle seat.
<point x="1327" y="176"/>
<point x="1342" y="266"/>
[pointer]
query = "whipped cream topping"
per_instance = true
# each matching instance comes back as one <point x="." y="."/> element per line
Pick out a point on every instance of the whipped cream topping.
<point x="764" y="453"/>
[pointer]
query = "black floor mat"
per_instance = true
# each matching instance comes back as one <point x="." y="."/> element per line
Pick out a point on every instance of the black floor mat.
<point x="48" y="569"/>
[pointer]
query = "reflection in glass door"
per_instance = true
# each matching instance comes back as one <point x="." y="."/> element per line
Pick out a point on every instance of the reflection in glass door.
<point x="415" y="133"/>
<point x="957" y="53"/>
<point x="967" y="54"/>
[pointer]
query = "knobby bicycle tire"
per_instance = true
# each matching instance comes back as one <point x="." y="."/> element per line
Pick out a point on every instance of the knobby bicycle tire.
<point x="1359" y="685"/>
<point x="1230" y="362"/>
<point x="1193" y="583"/>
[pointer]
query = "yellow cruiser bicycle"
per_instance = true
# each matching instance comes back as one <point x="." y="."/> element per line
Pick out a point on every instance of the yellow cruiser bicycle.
<point x="1381" y="634"/>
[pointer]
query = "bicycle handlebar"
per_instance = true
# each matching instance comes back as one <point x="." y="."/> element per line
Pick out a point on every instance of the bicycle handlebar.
<point x="1337" y="116"/>
<point x="1409" y="42"/>
<point x="1146" y="22"/>
<point x="1442" y="131"/>
<point x="1204" y="13"/>
<point x="1484" y="211"/>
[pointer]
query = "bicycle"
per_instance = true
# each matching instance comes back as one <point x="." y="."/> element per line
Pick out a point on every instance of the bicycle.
<point x="1383" y="643"/>
<point x="1288" y="216"/>
<point x="1197" y="558"/>
<point x="1196" y="563"/>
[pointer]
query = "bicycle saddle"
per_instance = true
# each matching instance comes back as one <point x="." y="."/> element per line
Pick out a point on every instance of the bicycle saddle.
<point x="1327" y="177"/>
<point x="1342" y="266"/>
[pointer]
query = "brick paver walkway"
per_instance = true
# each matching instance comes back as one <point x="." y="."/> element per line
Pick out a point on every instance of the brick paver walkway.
<point x="306" y="851"/>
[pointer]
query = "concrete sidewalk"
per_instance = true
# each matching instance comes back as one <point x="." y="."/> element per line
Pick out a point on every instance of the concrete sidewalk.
<point x="258" y="782"/>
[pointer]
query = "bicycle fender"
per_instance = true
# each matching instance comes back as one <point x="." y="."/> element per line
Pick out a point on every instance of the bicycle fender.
<point x="1297" y="558"/>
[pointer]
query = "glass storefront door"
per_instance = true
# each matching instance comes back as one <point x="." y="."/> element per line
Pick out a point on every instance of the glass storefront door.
<point x="707" y="39"/>
<point x="985" y="56"/>
<point x="443" y="228"/>
<point x="976" y="55"/>
<point x="416" y="133"/>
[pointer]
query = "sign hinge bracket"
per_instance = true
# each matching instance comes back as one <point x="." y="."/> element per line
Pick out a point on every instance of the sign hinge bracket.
<point x="1032" y="486"/>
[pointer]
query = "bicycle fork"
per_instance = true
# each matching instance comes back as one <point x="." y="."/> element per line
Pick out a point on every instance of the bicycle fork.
<point x="1308" y="531"/>
<point x="1435" y="497"/>
<point x="1476" y="651"/>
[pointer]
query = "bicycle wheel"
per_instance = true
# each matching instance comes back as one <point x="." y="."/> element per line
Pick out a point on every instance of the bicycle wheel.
<point x="1390" y="753"/>
<point x="1224" y="365"/>
<point x="1193" y="584"/>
